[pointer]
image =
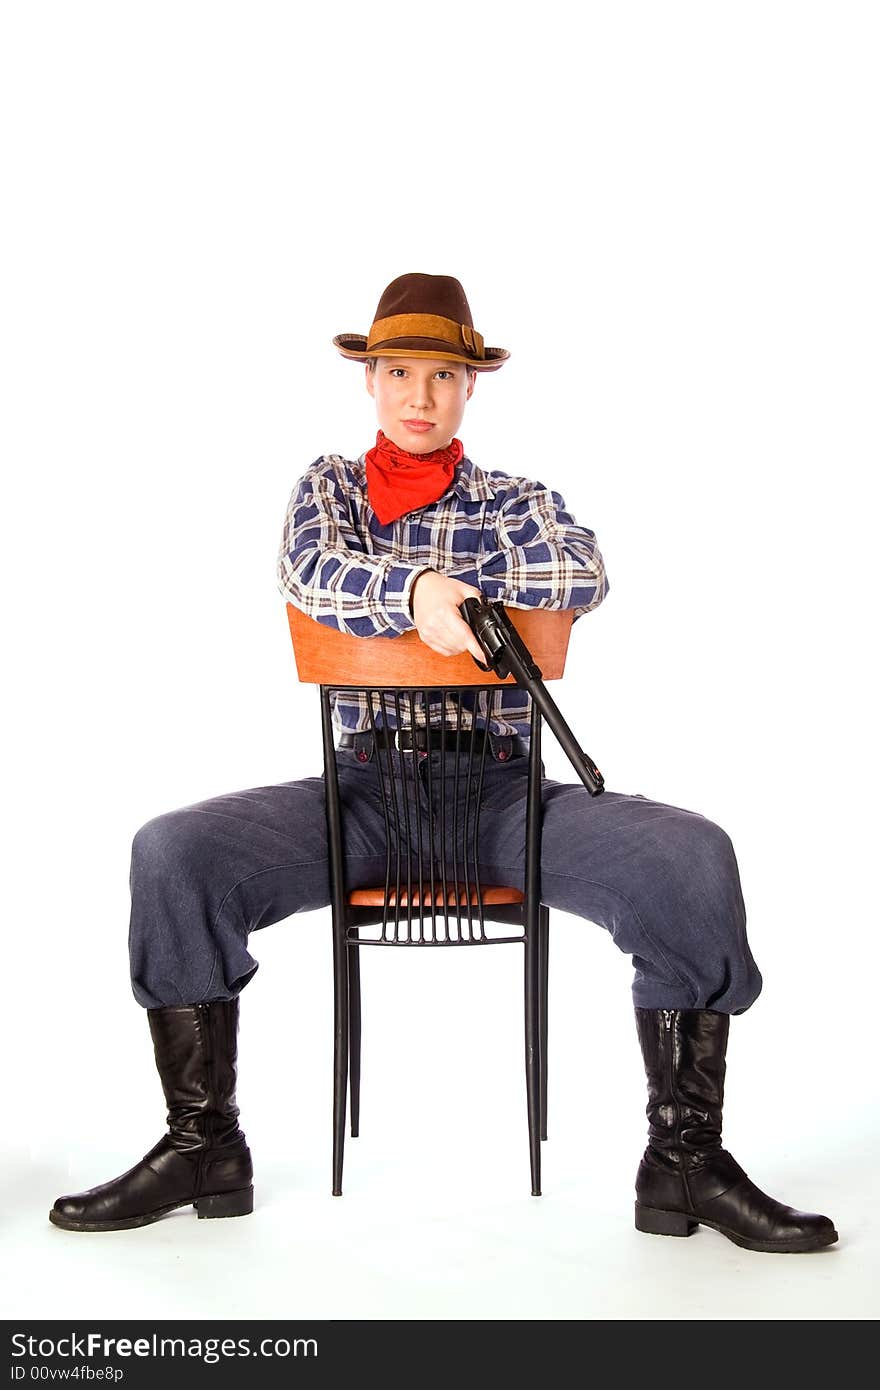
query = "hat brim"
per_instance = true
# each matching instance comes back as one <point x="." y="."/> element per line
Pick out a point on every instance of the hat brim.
<point x="354" y="347"/>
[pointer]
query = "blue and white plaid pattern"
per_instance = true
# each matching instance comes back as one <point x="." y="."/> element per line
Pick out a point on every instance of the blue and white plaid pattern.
<point x="510" y="537"/>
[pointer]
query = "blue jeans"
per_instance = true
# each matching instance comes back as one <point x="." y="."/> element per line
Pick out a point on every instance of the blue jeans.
<point x="661" y="880"/>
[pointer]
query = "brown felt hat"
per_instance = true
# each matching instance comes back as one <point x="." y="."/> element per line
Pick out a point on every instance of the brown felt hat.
<point x="423" y="316"/>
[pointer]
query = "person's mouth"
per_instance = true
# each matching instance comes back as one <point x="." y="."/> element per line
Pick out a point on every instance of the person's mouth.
<point x="419" y="426"/>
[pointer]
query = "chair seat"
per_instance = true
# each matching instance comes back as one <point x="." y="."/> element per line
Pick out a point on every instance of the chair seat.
<point x="456" y="894"/>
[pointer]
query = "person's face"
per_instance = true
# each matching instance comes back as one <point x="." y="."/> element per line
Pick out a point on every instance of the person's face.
<point x="408" y="390"/>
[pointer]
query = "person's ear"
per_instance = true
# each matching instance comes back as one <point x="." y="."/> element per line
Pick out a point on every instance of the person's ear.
<point x="472" y="378"/>
<point x="369" y="378"/>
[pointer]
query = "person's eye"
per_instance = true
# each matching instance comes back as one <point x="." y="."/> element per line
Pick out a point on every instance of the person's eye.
<point x="444" y="372"/>
<point x="397" y="369"/>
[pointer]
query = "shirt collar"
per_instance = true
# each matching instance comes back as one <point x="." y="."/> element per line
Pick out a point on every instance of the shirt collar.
<point x="471" y="482"/>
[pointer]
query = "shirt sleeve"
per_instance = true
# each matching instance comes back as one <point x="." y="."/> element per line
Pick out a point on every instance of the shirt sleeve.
<point x="543" y="558"/>
<point x="324" y="570"/>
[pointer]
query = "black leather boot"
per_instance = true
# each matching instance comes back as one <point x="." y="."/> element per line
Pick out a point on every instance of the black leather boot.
<point x="203" y="1159"/>
<point x="686" y="1178"/>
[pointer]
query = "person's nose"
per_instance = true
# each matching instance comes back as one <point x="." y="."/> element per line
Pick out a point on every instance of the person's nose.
<point x="420" y="395"/>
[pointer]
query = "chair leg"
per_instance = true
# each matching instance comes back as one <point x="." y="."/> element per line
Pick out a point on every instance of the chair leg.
<point x="543" y="954"/>
<point x="340" y="1052"/>
<point x="533" y="1057"/>
<point x="354" y="1037"/>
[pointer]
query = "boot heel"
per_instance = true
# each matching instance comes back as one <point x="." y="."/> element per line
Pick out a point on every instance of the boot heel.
<point x="664" y="1223"/>
<point x="226" y="1204"/>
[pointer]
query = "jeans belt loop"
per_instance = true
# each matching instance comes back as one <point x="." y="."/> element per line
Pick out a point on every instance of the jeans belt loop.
<point x="364" y="747"/>
<point x="502" y="747"/>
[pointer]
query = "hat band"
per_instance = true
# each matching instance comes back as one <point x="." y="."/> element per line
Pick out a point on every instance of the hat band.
<point x="458" y="335"/>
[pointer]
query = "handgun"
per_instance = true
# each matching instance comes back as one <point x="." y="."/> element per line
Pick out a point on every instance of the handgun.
<point x="508" y="655"/>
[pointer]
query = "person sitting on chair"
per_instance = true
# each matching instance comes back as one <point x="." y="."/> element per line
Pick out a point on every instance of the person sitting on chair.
<point x="393" y="541"/>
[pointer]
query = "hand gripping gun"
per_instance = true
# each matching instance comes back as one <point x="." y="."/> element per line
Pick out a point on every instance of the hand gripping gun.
<point x="508" y="655"/>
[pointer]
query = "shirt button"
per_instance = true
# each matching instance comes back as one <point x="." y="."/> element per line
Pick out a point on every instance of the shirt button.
<point x="503" y="755"/>
<point x="363" y="755"/>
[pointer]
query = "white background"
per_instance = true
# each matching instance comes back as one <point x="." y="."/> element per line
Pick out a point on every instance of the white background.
<point x="669" y="215"/>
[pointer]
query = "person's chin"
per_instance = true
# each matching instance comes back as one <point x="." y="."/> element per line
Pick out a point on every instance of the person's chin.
<point x="415" y="441"/>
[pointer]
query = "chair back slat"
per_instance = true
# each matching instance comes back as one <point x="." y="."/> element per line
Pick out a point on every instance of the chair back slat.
<point x="432" y="856"/>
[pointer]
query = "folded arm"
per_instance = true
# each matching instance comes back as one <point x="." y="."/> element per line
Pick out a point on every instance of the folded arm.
<point x="323" y="570"/>
<point x="542" y="558"/>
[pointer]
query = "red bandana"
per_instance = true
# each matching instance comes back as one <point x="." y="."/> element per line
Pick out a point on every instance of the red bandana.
<point x="399" y="482"/>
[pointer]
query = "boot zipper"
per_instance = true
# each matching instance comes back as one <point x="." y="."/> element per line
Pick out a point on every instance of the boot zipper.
<point x="667" y="1024"/>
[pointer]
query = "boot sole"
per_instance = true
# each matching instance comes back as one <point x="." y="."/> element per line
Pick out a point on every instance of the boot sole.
<point x="654" y="1222"/>
<point x="211" y="1208"/>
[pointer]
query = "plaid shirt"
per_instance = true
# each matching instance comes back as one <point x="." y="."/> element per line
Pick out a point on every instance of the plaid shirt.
<point x="510" y="537"/>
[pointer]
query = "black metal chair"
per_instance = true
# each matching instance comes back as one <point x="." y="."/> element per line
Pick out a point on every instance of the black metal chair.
<point x="432" y="894"/>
